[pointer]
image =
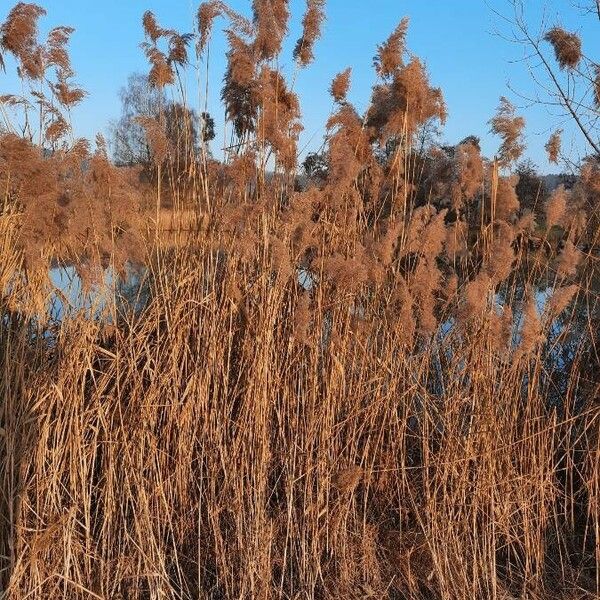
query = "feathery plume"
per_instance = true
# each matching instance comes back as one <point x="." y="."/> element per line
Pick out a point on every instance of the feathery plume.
<point x="456" y="242"/>
<point x="553" y="146"/>
<point x="340" y="85"/>
<point x="501" y="255"/>
<point x="56" y="48"/>
<point x="239" y="89"/>
<point x="507" y="201"/>
<point x="311" y="31"/>
<point x="560" y="299"/>
<point x="18" y="35"/>
<point x="509" y="127"/>
<point x="389" y="54"/>
<point x="151" y="27"/>
<point x="207" y="13"/>
<point x="302" y="318"/>
<point x="556" y="207"/>
<point x="531" y="329"/>
<point x="501" y="330"/>
<point x="567" y="47"/>
<point x="568" y="260"/>
<point x="157" y="138"/>
<point x="19" y="32"/>
<point x="400" y="313"/>
<point x="475" y="297"/>
<point x="161" y="72"/>
<point x="346" y="480"/>
<point x="271" y="20"/>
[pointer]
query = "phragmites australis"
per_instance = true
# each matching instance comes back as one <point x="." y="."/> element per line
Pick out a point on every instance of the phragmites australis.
<point x="279" y="117"/>
<point x="553" y="146"/>
<point x="501" y="256"/>
<point x="506" y="201"/>
<point x="556" y="207"/>
<point x="475" y="298"/>
<point x="501" y="330"/>
<point x="18" y="35"/>
<point x="239" y="88"/>
<point x="567" y="47"/>
<point x="56" y="49"/>
<point x="568" y="260"/>
<point x="470" y="171"/>
<point x="207" y="13"/>
<point x="346" y="480"/>
<point x="531" y="332"/>
<point x="302" y="318"/>
<point x="271" y="21"/>
<point x="560" y="300"/>
<point x="151" y="27"/>
<point x="456" y="242"/>
<point x="400" y="106"/>
<point x="340" y="85"/>
<point x="156" y="137"/>
<point x="311" y="31"/>
<point x="390" y="54"/>
<point x="509" y="127"/>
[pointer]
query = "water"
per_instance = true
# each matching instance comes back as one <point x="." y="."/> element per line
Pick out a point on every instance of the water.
<point x="69" y="296"/>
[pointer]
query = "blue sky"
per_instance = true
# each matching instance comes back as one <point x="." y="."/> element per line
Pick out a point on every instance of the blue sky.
<point x="458" y="40"/>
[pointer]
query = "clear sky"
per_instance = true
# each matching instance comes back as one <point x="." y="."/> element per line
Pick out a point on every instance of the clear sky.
<point x="457" y="39"/>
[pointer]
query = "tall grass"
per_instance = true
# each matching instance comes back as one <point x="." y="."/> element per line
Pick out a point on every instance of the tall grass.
<point x="341" y="391"/>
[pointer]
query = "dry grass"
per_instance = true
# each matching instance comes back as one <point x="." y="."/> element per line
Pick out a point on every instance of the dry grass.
<point x="346" y="391"/>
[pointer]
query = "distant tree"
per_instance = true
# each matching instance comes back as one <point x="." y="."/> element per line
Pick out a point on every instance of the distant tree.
<point x="184" y="129"/>
<point x="530" y="189"/>
<point x="128" y="139"/>
<point x="564" y="75"/>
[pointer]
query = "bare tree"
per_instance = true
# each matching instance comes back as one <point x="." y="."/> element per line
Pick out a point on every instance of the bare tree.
<point x="565" y="77"/>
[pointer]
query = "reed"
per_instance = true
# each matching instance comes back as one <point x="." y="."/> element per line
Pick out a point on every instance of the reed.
<point x="339" y="389"/>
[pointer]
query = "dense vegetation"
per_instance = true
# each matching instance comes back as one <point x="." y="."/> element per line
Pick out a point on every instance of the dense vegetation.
<point x="378" y="380"/>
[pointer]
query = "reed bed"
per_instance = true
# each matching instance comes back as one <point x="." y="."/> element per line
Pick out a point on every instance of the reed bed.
<point x="342" y="388"/>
